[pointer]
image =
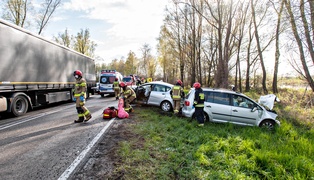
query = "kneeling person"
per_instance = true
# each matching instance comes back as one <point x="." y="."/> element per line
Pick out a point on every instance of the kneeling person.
<point x="129" y="95"/>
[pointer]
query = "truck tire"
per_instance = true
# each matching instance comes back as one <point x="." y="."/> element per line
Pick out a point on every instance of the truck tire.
<point x="19" y="105"/>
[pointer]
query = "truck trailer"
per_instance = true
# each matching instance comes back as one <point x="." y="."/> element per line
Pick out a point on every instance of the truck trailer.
<point x="35" y="71"/>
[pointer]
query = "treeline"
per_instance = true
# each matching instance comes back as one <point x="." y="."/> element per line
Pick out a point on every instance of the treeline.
<point x="220" y="43"/>
<point x="211" y="41"/>
<point x="215" y="42"/>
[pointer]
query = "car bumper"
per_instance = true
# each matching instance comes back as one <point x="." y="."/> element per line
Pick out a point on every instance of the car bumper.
<point x="187" y="111"/>
<point x="109" y="91"/>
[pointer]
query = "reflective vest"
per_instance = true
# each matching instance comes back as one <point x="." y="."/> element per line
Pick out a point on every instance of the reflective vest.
<point x="80" y="88"/>
<point x="128" y="92"/>
<point x="199" y="98"/>
<point x="116" y="85"/>
<point x="176" y="92"/>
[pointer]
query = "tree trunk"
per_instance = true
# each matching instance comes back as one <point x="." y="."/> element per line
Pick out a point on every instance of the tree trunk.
<point x="277" y="53"/>
<point x="259" y="49"/>
<point x="299" y="42"/>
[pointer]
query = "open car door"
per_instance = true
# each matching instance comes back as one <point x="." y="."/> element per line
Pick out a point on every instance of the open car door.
<point x="143" y="93"/>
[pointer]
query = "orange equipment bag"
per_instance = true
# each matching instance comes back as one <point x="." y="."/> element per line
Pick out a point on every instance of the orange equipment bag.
<point x="110" y="112"/>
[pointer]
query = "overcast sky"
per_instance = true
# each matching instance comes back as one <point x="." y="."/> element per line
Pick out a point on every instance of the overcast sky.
<point x="116" y="26"/>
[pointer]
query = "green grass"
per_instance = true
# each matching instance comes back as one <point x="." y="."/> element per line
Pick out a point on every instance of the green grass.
<point x="169" y="147"/>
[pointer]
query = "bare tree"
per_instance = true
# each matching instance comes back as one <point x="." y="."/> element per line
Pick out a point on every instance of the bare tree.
<point x="277" y="53"/>
<point x="259" y="48"/>
<point x="243" y="13"/>
<point x="298" y="38"/>
<point x="222" y="19"/>
<point x="48" y="8"/>
<point x="16" y="11"/>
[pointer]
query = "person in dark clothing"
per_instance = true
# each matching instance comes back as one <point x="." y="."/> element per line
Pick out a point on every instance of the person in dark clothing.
<point x="199" y="99"/>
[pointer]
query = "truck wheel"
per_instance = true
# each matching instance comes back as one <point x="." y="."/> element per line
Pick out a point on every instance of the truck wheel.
<point x="19" y="105"/>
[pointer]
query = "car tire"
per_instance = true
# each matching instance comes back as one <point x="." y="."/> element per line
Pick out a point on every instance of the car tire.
<point x="166" y="106"/>
<point x="268" y="124"/>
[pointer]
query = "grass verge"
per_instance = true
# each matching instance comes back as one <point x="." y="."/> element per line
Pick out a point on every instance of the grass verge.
<point x="169" y="147"/>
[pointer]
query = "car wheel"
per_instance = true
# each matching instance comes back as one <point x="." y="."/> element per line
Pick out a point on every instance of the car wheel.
<point x="166" y="106"/>
<point x="268" y="124"/>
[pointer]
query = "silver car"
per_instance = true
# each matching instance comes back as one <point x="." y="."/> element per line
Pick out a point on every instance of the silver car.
<point x="156" y="93"/>
<point x="225" y="106"/>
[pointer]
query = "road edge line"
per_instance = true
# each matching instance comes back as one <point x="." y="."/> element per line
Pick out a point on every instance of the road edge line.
<point x="66" y="174"/>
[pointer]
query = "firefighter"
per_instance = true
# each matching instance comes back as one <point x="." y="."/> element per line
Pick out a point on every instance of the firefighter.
<point x="79" y="97"/>
<point x="128" y="95"/>
<point x="199" y="99"/>
<point x="143" y="80"/>
<point x="116" y="88"/>
<point x="177" y="93"/>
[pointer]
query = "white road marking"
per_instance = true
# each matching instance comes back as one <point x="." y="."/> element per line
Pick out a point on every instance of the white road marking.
<point x="66" y="174"/>
<point x="5" y="126"/>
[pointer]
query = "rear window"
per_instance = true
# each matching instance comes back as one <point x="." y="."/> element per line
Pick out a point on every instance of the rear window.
<point x="107" y="79"/>
<point x="127" y="79"/>
<point x="217" y="97"/>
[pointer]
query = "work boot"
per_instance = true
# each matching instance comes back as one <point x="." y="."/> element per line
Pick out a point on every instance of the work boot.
<point x="81" y="119"/>
<point x="88" y="118"/>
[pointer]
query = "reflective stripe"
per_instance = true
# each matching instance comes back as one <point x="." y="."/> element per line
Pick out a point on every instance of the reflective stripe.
<point x="199" y="105"/>
<point x="202" y="96"/>
<point x="176" y="93"/>
<point x="116" y="85"/>
<point x="86" y="113"/>
<point x="81" y="84"/>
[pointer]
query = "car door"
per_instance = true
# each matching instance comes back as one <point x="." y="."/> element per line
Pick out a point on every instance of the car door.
<point x="218" y="104"/>
<point x="157" y="94"/>
<point x="242" y="111"/>
<point x="143" y="93"/>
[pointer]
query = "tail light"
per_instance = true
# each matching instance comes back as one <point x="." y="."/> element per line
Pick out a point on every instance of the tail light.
<point x="187" y="103"/>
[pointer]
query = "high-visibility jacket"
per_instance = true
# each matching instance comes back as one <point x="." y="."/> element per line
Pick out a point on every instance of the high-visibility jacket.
<point x="128" y="92"/>
<point x="80" y="88"/>
<point x="199" y="98"/>
<point x="176" y="92"/>
<point x="116" y="85"/>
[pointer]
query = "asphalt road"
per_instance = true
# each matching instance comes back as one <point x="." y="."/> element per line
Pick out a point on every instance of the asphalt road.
<point x="44" y="143"/>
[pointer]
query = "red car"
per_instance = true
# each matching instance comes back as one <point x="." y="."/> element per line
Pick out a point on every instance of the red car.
<point x="128" y="80"/>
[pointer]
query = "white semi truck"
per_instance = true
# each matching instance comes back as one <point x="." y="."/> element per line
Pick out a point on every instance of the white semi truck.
<point x="35" y="71"/>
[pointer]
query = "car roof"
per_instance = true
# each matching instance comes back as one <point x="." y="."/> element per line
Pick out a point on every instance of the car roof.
<point x="222" y="90"/>
<point x="160" y="83"/>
